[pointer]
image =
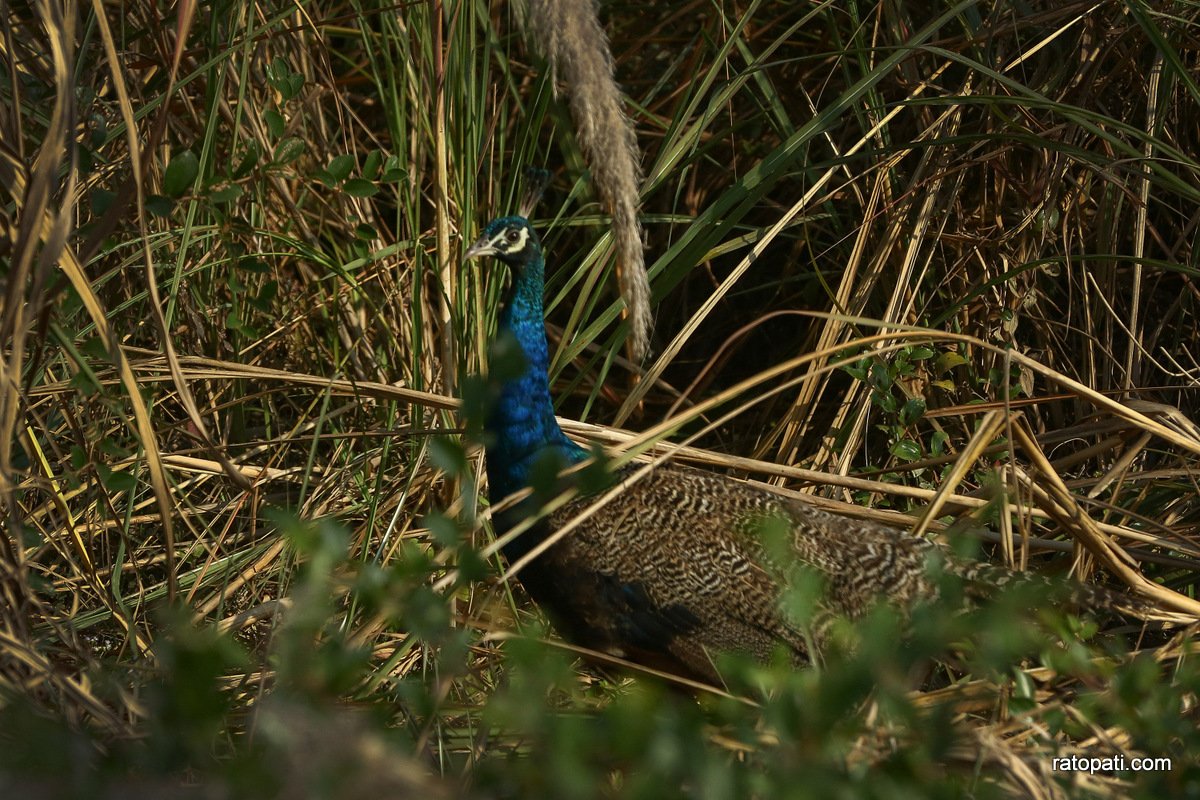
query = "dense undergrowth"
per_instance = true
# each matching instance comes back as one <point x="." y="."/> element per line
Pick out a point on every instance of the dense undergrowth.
<point x="930" y="262"/>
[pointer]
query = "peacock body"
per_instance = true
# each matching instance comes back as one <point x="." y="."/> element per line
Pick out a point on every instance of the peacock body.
<point x="675" y="570"/>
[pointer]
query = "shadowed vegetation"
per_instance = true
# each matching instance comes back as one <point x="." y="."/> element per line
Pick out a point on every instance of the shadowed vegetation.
<point x="932" y="263"/>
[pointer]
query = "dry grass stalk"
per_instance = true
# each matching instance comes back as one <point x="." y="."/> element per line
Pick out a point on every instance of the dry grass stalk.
<point x="569" y="33"/>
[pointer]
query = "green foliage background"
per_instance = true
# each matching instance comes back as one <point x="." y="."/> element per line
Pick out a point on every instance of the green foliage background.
<point x="234" y="314"/>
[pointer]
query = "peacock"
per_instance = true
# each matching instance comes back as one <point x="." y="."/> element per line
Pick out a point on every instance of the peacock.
<point x="676" y="569"/>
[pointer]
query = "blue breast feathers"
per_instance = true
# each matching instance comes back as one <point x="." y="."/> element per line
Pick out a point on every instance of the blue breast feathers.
<point x="521" y="424"/>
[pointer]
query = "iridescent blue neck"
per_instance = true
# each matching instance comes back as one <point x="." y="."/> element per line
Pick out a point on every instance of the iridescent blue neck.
<point x="522" y="423"/>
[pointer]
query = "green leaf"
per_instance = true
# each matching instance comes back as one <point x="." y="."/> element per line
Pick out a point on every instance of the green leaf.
<point x="180" y="174"/>
<point x="289" y="150"/>
<point x="947" y="361"/>
<point x="112" y="449"/>
<point x="234" y="322"/>
<point x="252" y="264"/>
<point x="920" y="352"/>
<point x="912" y="410"/>
<point x="881" y="377"/>
<point x="277" y="70"/>
<point x="471" y="566"/>
<point x="506" y="358"/>
<point x="1021" y="705"/>
<point x="94" y="348"/>
<point x="476" y="400"/>
<point x="857" y="370"/>
<point x="84" y="383"/>
<point x="360" y="187"/>
<point x="937" y="445"/>
<point x="101" y="200"/>
<point x="339" y="168"/>
<point x="99" y="131"/>
<point x="226" y="194"/>
<point x="294" y="83"/>
<point x="427" y="614"/>
<point x="283" y="80"/>
<point x="251" y="158"/>
<point x="1023" y="685"/>
<point x="275" y="124"/>
<point x="268" y="293"/>
<point x="371" y="165"/>
<point x="87" y="160"/>
<point x="443" y="529"/>
<point x="158" y="205"/>
<point x="115" y="480"/>
<point x="885" y="400"/>
<point x="597" y="475"/>
<point x="393" y="170"/>
<point x="906" y="450"/>
<point x="448" y="455"/>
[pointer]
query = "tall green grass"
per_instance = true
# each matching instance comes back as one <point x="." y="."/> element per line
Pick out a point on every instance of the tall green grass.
<point x="926" y="257"/>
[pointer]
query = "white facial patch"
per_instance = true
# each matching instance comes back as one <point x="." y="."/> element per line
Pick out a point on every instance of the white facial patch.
<point x="504" y="244"/>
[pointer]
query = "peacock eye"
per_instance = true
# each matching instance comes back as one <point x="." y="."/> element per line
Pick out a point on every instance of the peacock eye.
<point x="513" y="236"/>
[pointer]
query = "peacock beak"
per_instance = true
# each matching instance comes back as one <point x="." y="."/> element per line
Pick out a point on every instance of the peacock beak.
<point x="482" y="247"/>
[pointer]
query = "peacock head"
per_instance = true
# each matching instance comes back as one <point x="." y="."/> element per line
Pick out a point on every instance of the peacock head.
<point x="510" y="239"/>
